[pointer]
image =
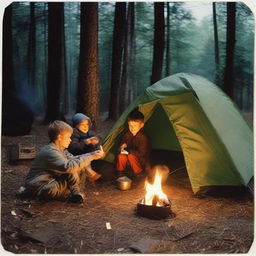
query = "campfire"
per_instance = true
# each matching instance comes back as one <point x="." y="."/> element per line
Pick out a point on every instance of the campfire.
<point x="155" y="203"/>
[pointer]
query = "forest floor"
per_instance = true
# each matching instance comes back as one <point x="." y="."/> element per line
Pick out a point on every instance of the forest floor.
<point x="205" y="224"/>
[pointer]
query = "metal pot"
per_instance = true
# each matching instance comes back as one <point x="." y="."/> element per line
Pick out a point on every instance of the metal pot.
<point x="124" y="183"/>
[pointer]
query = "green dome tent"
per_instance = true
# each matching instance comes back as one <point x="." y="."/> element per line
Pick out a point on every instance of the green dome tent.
<point x="185" y="112"/>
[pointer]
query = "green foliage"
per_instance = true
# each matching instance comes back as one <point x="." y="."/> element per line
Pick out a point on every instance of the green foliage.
<point x="106" y="23"/>
<point x="144" y="24"/>
<point x="41" y="12"/>
<point x="191" y="47"/>
<point x="20" y="23"/>
<point x="72" y="38"/>
<point x="182" y="48"/>
<point x="203" y="42"/>
<point x="244" y="57"/>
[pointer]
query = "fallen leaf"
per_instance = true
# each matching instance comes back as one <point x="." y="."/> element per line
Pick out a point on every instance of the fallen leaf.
<point x="108" y="226"/>
<point x="13" y="213"/>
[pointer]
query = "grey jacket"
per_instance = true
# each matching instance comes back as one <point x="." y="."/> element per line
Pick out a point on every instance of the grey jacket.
<point x="51" y="159"/>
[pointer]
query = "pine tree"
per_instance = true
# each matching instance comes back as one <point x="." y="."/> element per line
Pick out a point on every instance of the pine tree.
<point x="88" y="83"/>
<point x="158" y="51"/>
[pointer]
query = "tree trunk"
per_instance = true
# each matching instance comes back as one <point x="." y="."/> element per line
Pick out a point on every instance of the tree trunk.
<point x="126" y="82"/>
<point x="117" y="51"/>
<point x="17" y="117"/>
<point x="8" y="78"/>
<point x="216" y="44"/>
<point x="43" y="65"/>
<point x="132" y="80"/>
<point x="88" y="83"/>
<point x="228" y="86"/>
<point x="56" y="62"/>
<point x="7" y="68"/>
<point x="31" y="47"/>
<point x="167" y="57"/>
<point x="158" y="51"/>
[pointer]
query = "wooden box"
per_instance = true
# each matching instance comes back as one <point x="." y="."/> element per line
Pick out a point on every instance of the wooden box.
<point x="20" y="152"/>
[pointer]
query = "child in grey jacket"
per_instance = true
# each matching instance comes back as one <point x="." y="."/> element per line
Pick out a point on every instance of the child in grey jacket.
<point x="55" y="173"/>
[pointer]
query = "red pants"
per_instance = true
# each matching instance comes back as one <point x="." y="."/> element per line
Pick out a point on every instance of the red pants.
<point x="130" y="159"/>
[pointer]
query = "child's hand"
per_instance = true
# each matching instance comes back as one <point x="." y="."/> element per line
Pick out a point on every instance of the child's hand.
<point x="99" y="153"/>
<point x="92" y="140"/>
<point x="87" y="141"/>
<point x="123" y="146"/>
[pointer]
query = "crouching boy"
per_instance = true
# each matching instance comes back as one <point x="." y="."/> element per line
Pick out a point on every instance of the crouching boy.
<point x="54" y="174"/>
<point x="134" y="149"/>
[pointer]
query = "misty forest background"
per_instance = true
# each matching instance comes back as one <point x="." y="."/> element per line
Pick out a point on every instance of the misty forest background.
<point x="95" y="58"/>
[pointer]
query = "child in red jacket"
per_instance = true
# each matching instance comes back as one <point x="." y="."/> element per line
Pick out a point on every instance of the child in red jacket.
<point x="134" y="149"/>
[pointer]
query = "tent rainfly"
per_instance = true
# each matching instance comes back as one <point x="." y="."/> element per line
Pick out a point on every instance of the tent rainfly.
<point x="185" y="112"/>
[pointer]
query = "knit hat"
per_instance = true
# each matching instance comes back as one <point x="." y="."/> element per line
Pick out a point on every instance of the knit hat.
<point x="78" y="118"/>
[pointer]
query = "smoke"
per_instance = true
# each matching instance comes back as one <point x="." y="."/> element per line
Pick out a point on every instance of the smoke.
<point x="25" y="92"/>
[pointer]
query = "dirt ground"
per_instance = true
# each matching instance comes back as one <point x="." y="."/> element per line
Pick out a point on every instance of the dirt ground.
<point x="205" y="224"/>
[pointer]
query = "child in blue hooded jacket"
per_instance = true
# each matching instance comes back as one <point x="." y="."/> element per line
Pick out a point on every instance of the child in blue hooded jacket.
<point x="84" y="140"/>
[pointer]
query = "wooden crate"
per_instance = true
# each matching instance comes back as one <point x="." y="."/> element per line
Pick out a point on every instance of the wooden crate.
<point x="20" y="152"/>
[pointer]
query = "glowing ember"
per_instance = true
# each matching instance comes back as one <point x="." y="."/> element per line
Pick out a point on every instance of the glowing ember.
<point x="154" y="193"/>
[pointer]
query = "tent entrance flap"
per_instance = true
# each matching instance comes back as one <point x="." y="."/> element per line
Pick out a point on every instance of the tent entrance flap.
<point x="160" y="131"/>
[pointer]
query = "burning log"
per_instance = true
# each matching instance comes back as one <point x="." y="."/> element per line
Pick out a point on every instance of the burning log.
<point x="154" y="212"/>
<point x="155" y="200"/>
<point x="155" y="204"/>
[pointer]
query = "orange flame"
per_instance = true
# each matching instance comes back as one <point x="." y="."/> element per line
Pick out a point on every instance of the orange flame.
<point x="154" y="193"/>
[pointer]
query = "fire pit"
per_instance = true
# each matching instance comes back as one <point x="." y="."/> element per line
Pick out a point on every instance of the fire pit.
<point x="155" y="204"/>
<point x="154" y="212"/>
